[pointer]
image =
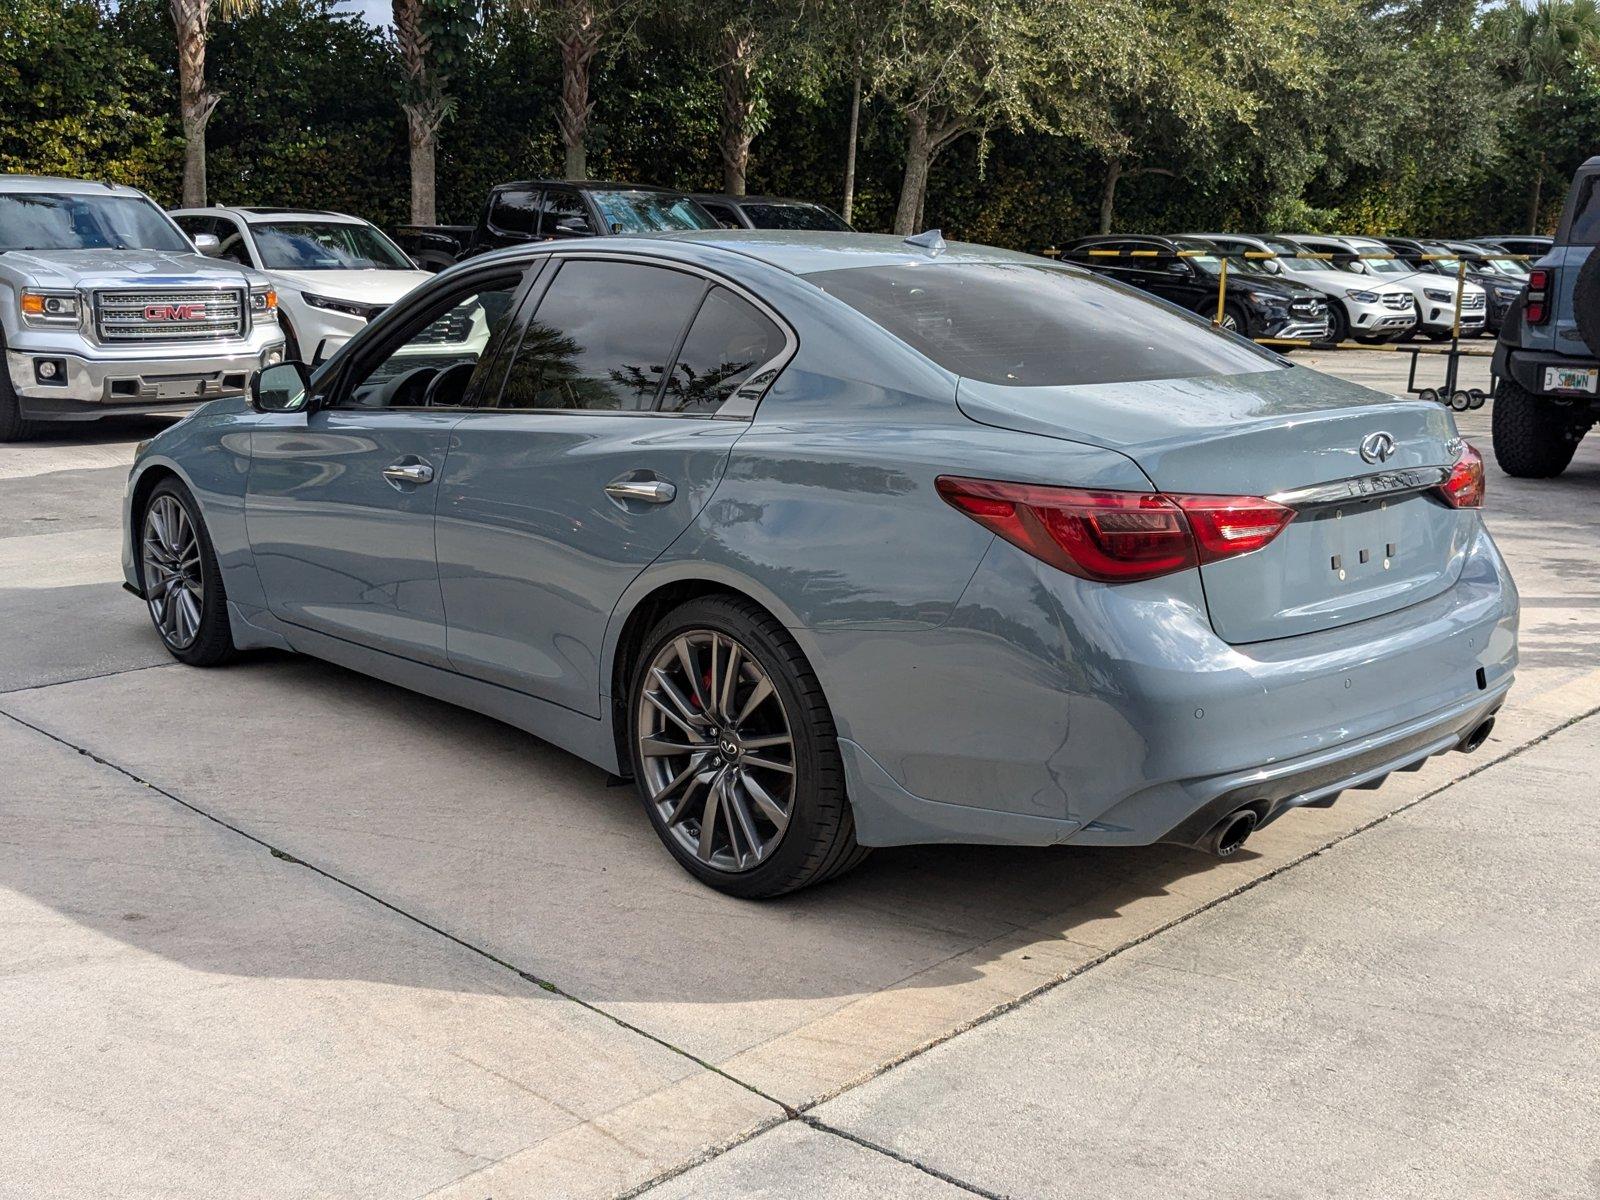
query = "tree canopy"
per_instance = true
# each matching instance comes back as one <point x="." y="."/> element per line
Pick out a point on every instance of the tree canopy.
<point x="1018" y="122"/>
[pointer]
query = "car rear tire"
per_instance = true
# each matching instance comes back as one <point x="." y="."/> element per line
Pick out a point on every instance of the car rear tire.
<point x="1533" y="437"/>
<point x="180" y="578"/>
<point x="735" y="754"/>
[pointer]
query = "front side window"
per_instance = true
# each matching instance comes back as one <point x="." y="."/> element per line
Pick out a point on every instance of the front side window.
<point x="729" y="340"/>
<point x="442" y="351"/>
<point x="230" y="237"/>
<point x="42" y="221"/>
<point x="602" y="337"/>
<point x="326" y="246"/>
<point x="1025" y="325"/>
<point x="650" y="212"/>
<point x="564" y="214"/>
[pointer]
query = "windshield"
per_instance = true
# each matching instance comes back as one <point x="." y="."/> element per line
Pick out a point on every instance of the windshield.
<point x="326" y="246"/>
<point x="46" y="222"/>
<point x="1028" y="326"/>
<point x="1511" y="267"/>
<point x="1294" y="258"/>
<point x="1391" y="266"/>
<point x="793" y="216"/>
<point x="648" y="212"/>
<point x="1210" y="260"/>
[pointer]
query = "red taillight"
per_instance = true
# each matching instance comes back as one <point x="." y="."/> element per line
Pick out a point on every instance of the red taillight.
<point x="1117" y="537"/>
<point x="1537" y="309"/>
<point x="1465" y="485"/>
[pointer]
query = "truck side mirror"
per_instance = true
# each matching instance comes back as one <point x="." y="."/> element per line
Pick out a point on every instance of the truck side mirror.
<point x="207" y="243"/>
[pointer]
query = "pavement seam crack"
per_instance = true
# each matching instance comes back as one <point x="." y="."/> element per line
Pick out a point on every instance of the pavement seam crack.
<point x="823" y="1127"/>
<point x="527" y="976"/>
<point x="39" y="687"/>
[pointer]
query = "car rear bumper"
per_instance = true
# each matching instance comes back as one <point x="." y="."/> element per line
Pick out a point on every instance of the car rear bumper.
<point x="1526" y="368"/>
<point x="1116" y="716"/>
<point x="86" y="388"/>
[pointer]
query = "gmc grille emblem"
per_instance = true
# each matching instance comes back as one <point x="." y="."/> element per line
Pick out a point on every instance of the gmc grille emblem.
<point x="174" y="312"/>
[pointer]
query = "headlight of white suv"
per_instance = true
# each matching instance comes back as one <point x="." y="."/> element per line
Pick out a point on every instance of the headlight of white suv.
<point x="1363" y="297"/>
<point x="1438" y="296"/>
<point x="49" y="308"/>
<point x="352" y="308"/>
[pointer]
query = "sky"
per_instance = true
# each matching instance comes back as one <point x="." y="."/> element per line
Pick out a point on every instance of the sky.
<point x="375" y="11"/>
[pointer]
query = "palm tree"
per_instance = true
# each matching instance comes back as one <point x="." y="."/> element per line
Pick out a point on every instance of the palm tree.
<point x="1546" y="42"/>
<point x="192" y="18"/>
<point x="424" y="103"/>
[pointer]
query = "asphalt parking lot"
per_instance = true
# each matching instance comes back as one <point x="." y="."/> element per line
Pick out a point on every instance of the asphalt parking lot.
<point x="280" y="930"/>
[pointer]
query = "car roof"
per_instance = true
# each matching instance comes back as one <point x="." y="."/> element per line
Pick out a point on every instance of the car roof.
<point x="1096" y="239"/>
<point x="262" y="216"/>
<point x="60" y="185"/>
<point x="725" y="198"/>
<point x="804" y="252"/>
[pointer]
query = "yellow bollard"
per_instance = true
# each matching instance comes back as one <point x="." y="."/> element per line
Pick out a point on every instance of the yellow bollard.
<point x="1461" y="279"/>
<point x="1222" y="290"/>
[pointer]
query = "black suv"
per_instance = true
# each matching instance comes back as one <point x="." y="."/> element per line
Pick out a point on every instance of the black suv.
<point x="769" y="212"/>
<point x="1547" y="362"/>
<point x="538" y="210"/>
<point x="1257" y="304"/>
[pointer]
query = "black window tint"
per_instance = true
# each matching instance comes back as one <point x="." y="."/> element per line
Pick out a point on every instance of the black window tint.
<point x="1026" y="325"/>
<point x="729" y="339"/>
<point x="1585" y="229"/>
<point x="723" y="213"/>
<point x="515" y="212"/>
<point x="231" y="239"/>
<point x="602" y="337"/>
<point x="561" y="205"/>
<point x="793" y="216"/>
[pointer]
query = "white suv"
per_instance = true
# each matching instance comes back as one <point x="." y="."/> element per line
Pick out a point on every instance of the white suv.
<point x="1435" y="295"/>
<point x="1357" y="306"/>
<point x="333" y="273"/>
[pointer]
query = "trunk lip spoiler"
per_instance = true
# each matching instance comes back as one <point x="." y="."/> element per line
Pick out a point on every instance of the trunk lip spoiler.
<point x="1379" y="485"/>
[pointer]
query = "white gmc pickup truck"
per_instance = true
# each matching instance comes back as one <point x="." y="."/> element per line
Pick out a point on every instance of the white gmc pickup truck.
<point x="107" y="307"/>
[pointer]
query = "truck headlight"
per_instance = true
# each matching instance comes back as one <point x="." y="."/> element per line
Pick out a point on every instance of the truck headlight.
<point x="1439" y="296"/>
<point x="49" y="308"/>
<point x="264" y="304"/>
<point x="1363" y="297"/>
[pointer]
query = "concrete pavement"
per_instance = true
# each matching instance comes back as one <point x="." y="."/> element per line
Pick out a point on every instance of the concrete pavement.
<point x="648" y="1022"/>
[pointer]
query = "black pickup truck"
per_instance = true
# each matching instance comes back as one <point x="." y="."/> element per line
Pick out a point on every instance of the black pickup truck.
<point x="537" y="210"/>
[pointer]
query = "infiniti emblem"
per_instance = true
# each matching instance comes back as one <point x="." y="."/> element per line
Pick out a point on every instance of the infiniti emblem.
<point x="1377" y="447"/>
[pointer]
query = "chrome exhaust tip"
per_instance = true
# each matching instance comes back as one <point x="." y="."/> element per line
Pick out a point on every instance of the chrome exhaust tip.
<point x="1477" y="737"/>
<point x="1228" y="835"/>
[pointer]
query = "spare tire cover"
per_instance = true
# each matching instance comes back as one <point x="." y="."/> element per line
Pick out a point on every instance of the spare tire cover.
<point x="1586" y="301"/>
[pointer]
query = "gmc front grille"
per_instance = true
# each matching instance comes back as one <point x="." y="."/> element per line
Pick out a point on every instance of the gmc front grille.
<point x="175" y="316"/>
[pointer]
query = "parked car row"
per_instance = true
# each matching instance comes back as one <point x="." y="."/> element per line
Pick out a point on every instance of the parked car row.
<point x="1403" y="287"/>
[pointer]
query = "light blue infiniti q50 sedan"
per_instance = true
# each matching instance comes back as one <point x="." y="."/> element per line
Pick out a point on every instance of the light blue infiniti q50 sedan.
<point x="833" y="541"/>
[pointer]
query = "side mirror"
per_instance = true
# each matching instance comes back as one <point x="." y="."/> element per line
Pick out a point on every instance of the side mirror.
<point x="1178" y="266"/>
<point x="281" y="388"/>
<point x="207" y="243"/>
<point x="572" y="226"/>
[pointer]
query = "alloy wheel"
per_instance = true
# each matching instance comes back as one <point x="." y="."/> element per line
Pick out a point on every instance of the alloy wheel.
<point x="716" y="750"/>
<point x="174" y="583"/>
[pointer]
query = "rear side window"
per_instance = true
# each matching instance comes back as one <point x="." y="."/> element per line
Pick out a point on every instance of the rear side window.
<point x="602" y="337"/>
<point x="1585" y="229"/>
<point x="1030" y="326"/>
<point x="515" y="212"/>
<point x="729" y="340"/>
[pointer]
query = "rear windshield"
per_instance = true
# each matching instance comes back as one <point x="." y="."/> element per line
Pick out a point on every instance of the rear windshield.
<point x="794" y="216"/>
<point x="1032" y="326"/>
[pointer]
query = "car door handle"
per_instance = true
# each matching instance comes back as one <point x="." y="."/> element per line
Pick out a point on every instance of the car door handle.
<point x="404" y="472"/>
<point x="651" y="491"/>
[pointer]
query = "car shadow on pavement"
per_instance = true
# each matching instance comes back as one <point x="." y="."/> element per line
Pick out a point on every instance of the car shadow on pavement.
<point x="528" y="854"/>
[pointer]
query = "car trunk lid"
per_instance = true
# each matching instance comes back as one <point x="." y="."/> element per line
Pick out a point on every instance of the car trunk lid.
<point x="1370" y="535"/>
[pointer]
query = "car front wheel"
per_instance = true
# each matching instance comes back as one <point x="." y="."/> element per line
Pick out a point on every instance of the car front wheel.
<point x="735" y="754"/>
<point x="181" y="580"/>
